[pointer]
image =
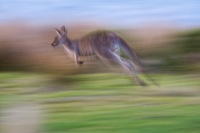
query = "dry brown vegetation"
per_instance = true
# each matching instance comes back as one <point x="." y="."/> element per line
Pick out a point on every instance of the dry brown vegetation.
<point x="24" y="46"/>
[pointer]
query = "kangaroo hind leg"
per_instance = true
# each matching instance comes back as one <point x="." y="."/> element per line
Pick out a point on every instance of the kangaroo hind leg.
<point x="111" y="58"/>
<point x="134" y="73"/>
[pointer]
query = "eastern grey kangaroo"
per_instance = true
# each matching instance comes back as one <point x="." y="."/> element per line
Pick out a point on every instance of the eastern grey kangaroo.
<point x="106" y="45"/>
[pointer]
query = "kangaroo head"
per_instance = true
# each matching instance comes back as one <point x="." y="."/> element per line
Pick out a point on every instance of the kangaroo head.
<point x="61" y="37"/>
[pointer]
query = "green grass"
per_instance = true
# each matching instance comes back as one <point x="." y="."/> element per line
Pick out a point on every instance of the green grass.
<point x="123" y="118"/>
<point x="108" y="103"/>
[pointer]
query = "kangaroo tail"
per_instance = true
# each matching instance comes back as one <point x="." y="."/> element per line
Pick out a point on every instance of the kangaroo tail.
<point x="125" y="47"/>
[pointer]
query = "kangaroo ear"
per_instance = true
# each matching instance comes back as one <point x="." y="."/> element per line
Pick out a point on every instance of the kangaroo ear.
<point x="63" y="29"/>
<point x="58" y="32"/>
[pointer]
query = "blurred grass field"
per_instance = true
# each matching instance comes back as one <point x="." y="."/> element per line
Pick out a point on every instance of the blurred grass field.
<point x="96" y="103"/>
<point x="40" y="85"/>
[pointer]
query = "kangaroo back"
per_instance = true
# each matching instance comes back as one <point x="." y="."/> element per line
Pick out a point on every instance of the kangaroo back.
<point x="95" y="42"/>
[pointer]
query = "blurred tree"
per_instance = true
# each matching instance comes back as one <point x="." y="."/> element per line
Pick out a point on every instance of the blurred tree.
<point x="189" y="41"/>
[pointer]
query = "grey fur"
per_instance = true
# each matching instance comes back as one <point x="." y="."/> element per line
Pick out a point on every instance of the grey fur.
<point x="106" y="45"/>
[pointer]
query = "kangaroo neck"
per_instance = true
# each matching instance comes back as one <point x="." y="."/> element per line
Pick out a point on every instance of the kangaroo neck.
<point x="69" y="47"/>
<point x="67" y="44"/>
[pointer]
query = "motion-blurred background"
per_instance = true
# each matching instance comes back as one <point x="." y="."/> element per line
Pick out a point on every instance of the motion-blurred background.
<point x="165" y="35"/>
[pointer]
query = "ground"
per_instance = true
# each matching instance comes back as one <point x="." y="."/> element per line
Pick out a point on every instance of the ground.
<point x="98" y="103"/>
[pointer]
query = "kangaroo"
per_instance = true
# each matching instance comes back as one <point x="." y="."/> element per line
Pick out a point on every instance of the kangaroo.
<point x="105" y="45"/>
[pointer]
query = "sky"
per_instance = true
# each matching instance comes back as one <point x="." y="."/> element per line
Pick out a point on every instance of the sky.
<point x="122" y="13"/>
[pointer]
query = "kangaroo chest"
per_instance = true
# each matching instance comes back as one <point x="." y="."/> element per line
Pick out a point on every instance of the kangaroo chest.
<point x="69" y="52"/>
